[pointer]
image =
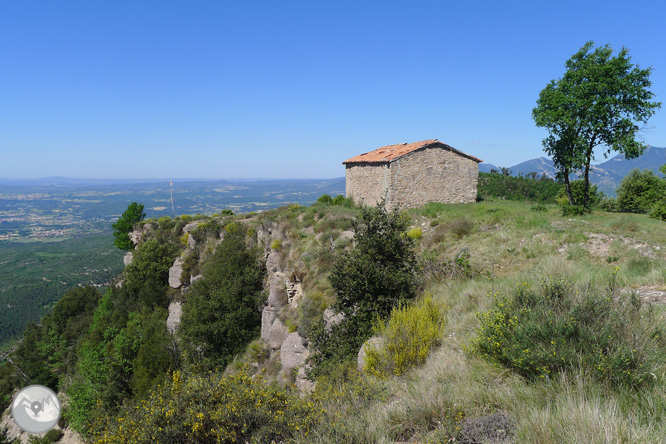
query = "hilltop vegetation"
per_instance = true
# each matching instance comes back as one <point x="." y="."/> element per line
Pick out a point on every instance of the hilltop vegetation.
<point x="491" y="343"/>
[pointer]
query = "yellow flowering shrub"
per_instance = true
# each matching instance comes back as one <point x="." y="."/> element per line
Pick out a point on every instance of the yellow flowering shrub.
<point x="408" y="336"/>
<point x="213" y="408"/>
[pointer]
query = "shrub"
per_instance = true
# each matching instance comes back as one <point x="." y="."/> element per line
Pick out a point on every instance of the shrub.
<point x="227" y="212"/>
<point x="539" y="208"/>
<point x="276" y="244"/>
<point x="659" y="210"/>
<point x="559" y="327"/>
<point x="608" y="204"/>
<point x="639" y="191"/>
<point x="578" y="194"/>
<point x="378" y="274"/>
<point x="415" y="233"/>
<point x="408" y="336"/>
<point x="574" y="210"/>
<point x="461" y="227"/>
<point x="212" y="408"/>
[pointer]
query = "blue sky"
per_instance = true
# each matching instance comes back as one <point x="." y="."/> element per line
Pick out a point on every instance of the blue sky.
<point x="217" y="89"/>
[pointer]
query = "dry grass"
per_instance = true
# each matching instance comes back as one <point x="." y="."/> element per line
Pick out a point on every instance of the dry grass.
<point x="510" y="244"/>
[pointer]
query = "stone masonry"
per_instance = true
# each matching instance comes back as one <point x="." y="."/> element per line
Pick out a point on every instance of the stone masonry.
<point x="410" y="175"/>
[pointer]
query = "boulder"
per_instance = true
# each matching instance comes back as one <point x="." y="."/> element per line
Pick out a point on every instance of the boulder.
<point x="277" y="333"/>
<point x="293" y="352"/>
<point x="273" y="262"/>
<point x="267" y="318"/>
<point x="193" y="279"/>
<point x="128" y="258"/>
<point x="331" y="319"/>
<point x="175" y="272"/>
<point x="147" y="227"/>
<point x="189" y="227"/>
<point x="136" y="236"/>
<point x="347" y="234"/>
<point x="374" y="341"/>
<point x="175" y="313"/>
<point x="277" y="295"/>
<point x="302" y="383"/>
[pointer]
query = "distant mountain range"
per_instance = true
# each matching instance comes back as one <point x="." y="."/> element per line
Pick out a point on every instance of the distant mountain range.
<point x="607" y="175"/>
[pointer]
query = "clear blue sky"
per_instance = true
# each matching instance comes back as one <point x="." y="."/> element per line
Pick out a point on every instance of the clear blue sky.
<point x="219" y="89"/>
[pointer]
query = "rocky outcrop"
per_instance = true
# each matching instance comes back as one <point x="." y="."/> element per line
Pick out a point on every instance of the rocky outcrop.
<point x="267" y="317"/>
<point x="277" y="334"/>
<point x="373" y="342"/>
<point x="273" y="261"/>
<point x="277" y="295"/>
<point x="136" y="236"/>
<point x="293" y="352"/>
<point x="14" y="432"/>
<point x="175" y="313"/>
<point x="191" y="242"/>
<point x="175" y="272"/>
<point x="302" y="383"/>
<point x="128" y="258"/>
<point x="294" y="292"/>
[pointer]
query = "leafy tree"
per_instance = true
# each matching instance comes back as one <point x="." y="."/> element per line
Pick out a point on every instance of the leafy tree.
<point x="222" y="314"/>
<point x="372" y="279"/>
<point x="125" y="223"/>
<point x="598" y="102"/>
<point x="639" y="191"/>
<point x="146" y="278"/>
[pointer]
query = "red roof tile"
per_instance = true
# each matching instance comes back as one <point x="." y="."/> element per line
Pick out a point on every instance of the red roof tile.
<point x="390" y="153"/>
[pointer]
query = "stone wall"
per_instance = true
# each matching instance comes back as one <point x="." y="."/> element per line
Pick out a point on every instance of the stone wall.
<point x="367" y="183"/>
<point x="432" y="175"/>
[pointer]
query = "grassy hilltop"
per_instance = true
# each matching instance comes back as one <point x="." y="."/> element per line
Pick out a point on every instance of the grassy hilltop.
<point x="527" y="326"/>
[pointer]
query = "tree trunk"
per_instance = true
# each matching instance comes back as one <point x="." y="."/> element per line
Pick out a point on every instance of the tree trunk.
<point x="586" y="188"/>
<point x="567" y="186"/>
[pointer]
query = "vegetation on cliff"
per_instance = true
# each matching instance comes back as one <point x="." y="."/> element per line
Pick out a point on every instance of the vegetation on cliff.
<point x="456" y="333"/>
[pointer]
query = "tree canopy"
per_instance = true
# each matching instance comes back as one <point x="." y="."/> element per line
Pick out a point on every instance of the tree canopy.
<point x="133" y="214"/>
<point x="599" y="102"/>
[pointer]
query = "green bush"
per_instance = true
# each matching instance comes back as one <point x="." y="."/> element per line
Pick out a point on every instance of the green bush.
<point x="415" y="233"/>
<point x="212" y="408"/>
<point x="535" y="189"/>
<point x="578" y="194"/>
<point x="559" y="327"/>
<point x="574" y="210"/>
<point x="378" y="274"/>
<point x="639" y="191"/>
<point x="659" y="210"/>
<point x="608" y="204"/>
<point x="276" y="244"/>
<point x="222" y="314"/>
<point x="461" y="227"/>
<point x="407" y="338"/>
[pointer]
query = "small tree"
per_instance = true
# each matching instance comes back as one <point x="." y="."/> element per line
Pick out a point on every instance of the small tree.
<point x="125" y="223"/>
<point x="223" y="310"/>
<point x="598" y="102"/>
<point x="376" y="276"/>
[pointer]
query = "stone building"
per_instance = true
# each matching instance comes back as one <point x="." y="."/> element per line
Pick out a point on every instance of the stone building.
<point x="411" y="174"/>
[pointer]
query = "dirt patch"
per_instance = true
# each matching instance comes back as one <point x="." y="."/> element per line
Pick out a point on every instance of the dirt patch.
<point x="598" y="244"/>
<point x="649" y="293"/>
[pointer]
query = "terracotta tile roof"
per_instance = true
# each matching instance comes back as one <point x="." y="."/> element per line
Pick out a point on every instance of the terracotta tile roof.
<point x="390" y="153"/>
